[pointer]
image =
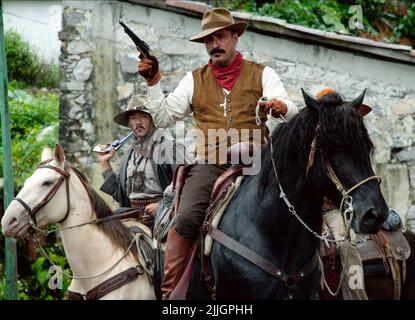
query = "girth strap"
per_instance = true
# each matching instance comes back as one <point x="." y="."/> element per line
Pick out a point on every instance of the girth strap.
<point x="107" y="286"/>
<point x="264" y="264"/>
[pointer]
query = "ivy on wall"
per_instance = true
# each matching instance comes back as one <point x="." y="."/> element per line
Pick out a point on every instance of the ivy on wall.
<point x="382" y="20"/>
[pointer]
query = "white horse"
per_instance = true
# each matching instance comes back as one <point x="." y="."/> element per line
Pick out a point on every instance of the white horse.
<point x="57" y="193"/>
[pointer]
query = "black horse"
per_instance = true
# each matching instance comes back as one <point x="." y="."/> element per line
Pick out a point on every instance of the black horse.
<point x="260" y="219"/>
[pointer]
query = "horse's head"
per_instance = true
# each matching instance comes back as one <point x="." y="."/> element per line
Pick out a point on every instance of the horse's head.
<point x="340" y="159"/>
<point x="43" y="199"/>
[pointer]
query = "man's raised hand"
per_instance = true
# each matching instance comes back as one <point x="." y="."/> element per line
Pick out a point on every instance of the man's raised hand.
<point x="148" y="68"/>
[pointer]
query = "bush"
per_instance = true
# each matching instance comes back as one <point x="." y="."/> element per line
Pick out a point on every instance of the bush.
<point x="34" y="124"/>
<point x="36" y="285"/>
<point x="389" y="20"/>
<point x="24" y="65"/>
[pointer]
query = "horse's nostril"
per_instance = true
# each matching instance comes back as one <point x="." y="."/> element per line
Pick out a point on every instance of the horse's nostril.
<point x="12" y="222"/>
<point x="369" y="217"/>
<point x="9" y="225"/>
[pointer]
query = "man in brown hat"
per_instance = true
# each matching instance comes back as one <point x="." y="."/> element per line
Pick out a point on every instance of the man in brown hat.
<point x="223" y="94"/>
<point x="142" y="178"/>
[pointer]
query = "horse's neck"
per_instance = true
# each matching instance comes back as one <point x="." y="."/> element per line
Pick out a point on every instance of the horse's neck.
<point x="88" y="250"/>
<point x="287" y="237"/>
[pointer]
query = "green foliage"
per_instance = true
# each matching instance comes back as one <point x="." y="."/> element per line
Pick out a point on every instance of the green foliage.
<point x="321" y="15"/>
<point x="244" y="5"/>
<point x="406" y="25"/>
<point x="36" y="286"/>
<point x="34" y="124"/>
<point x="388" y="20"/>
<point x="395" y="20"/>
<point x="20" y="288"/>
<point x="25" y="66"/>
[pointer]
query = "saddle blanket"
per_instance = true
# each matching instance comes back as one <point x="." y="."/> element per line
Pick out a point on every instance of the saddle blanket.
<point x="218" y="211"/>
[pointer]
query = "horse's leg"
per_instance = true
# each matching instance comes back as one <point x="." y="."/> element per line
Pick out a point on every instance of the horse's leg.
<point x="197" y="288"/>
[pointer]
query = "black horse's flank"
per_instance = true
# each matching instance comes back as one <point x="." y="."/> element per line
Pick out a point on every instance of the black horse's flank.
<point x="258" y="218"/>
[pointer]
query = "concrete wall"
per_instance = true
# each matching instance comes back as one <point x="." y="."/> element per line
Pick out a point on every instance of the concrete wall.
<point x="38" y="22"/>
<point x="98" y="65"/>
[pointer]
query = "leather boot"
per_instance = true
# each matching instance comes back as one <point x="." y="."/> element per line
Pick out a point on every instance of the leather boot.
<point x="177" y="252"/>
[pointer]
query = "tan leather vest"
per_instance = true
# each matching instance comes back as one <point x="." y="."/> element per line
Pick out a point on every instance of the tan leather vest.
<point x="233" y="115"/>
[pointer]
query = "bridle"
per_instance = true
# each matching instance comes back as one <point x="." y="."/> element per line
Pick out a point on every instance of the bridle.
<point x="64" y="177"/>
<point x="346" y="198"/>
<point x="122" y="278"/>
<point x="346" y="205"/>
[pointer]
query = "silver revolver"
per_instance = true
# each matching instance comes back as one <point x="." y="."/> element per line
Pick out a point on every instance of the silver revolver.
<point x="115" y="145"/>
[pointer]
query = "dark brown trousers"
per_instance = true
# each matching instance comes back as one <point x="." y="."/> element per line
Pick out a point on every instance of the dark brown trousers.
<point x="195" y="199"/>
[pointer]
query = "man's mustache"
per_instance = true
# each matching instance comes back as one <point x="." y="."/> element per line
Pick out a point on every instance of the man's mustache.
<point x="216" y="50"/>
<point x="139" y="126"/>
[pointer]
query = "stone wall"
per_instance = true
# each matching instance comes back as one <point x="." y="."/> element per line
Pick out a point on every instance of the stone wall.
<point x="98" y="65"/>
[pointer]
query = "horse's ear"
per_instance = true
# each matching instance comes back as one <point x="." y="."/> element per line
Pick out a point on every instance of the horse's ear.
<point x="312" y="104"/>
<point x="356" y="103"/>
<point x="58" y="154"/>
<point x="46" y="154"/>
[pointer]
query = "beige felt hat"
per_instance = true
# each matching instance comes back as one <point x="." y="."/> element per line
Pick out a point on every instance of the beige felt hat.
<point x="216" y="19"/>
<point x="136" y="104"/>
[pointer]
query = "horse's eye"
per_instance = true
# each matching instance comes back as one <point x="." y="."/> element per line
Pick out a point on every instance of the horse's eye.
<point x="47" y="183"/>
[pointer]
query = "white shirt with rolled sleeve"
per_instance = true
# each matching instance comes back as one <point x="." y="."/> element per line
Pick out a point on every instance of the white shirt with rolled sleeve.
<point x="176" y="106"/>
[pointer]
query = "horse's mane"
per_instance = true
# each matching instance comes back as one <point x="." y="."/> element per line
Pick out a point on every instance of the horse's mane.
<point x="337" y="126"/>
<point x="119" y="235"/>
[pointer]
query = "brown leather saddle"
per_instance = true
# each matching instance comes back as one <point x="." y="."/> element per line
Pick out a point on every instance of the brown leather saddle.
<point x="164" y="219"/>
<point x="383" y="254"/>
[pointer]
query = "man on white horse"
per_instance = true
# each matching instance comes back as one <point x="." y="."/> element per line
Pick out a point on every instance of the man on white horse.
<point x="142" y="178"/>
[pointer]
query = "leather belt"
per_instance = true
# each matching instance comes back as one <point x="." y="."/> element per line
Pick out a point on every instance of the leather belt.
<point x="108" y="285"/>
<point x="142" y="203"/>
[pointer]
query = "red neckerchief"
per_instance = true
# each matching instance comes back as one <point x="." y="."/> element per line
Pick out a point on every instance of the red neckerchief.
<point x="227" y="76"/>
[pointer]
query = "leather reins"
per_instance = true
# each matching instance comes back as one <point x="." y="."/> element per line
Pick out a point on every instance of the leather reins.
<point x="64" y="177"/>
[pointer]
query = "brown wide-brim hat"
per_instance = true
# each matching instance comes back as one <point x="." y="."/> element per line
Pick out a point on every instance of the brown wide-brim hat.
<point x="137" y="103"/>
<point x="217" y="19"/>
<point x="364" y="109"/>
